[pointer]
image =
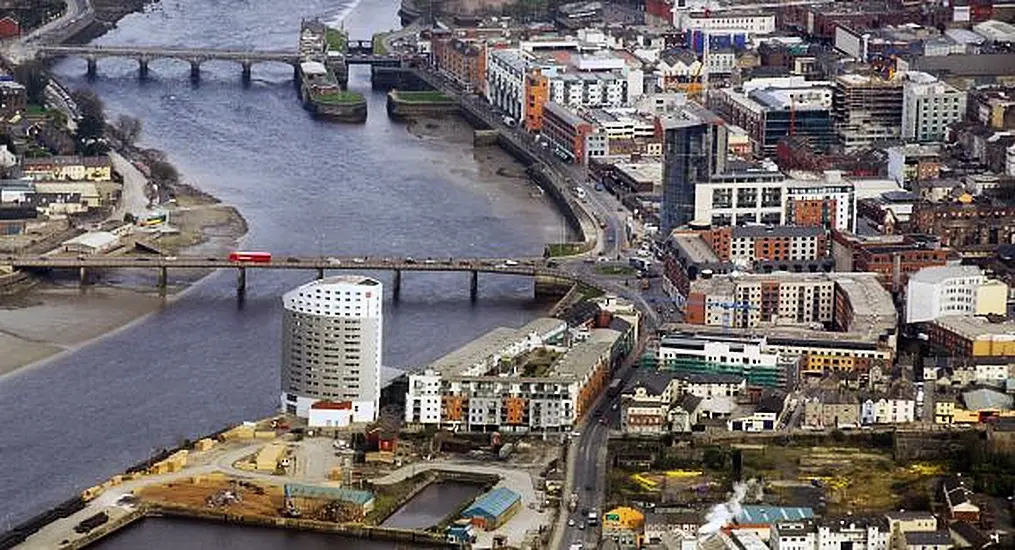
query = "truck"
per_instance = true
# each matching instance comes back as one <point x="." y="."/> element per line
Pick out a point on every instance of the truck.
<point x="250" y="256"/>
<point x="572" y="502"/>
<point x="593" y="518"/>
<point x="91" y="522"/>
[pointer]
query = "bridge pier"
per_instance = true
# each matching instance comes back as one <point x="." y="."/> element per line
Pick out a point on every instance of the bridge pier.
<point x="320" y="273"/>
<point x="195" y="70"/>
<point x="241" y="282"/>
<point x="163" y="280"/>
<point x="474" y="286"/>
<point x="246" y="65"/>
<point x="82" y="276"/>
<point x="93" y="65"/>
<point x="396" y="285"/>
<point x="142" y="68"/>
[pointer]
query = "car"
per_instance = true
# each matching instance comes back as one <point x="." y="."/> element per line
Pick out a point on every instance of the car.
<point x="604" y="421"/>
<point x="588" y="486"/>
<point x="603" y="259"/>
<point x="292" y="259"/>
<point x="610" y="239"/>
<point x="589" y="260"/>
<point x="570" y="522"/>
<point x="429" y="261"/>
<point x="551" y="264"/>
<point x="575" y="433"/>
<point x="358" y="260"/>
<point x="510" y="263"/>
<point x="170" y="258"/>
<point x="581" y="526"/>
<point x="142" y="258"/>
<point x="410" y="260"/>
<point x="614" y="407"/>
<point x="334" y="261"/>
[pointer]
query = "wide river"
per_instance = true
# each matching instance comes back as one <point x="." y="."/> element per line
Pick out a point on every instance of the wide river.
<point x="305" y="187"/>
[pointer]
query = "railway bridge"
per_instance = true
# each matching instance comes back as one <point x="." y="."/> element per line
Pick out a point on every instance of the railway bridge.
<point x="544" y="271"/>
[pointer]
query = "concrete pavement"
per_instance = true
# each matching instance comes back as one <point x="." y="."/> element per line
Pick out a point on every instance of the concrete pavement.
<point x="133" y="198"/>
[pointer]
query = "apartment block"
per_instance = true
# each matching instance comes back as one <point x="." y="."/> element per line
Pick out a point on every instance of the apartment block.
<point x="929" y="106"/>
<point x="935" y="292"/>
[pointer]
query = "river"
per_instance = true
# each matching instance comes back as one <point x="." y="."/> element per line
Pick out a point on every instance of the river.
<point x="305" y="187"/>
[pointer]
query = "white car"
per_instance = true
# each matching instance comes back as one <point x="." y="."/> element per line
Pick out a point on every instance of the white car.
<point x="510" y="263"/>
<point x="358" y="260"/>
<point x="570" y="522"/>
<point x="576" y="433"/>
<point x="334" y="261"/>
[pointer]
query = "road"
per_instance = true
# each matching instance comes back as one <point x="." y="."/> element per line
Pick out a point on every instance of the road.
<point x="133" y="198"/>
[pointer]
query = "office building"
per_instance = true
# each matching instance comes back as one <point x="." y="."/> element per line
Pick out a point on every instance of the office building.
<point x="968" y="336"/>
<point x="772" y="109"/>
<point x="935" y="292"/>
<point x="727" y="361"/>
<point x="694" y="149"/>
<point x="929" y="106"/>
<point x="331" y="345"/>
<point x="769" y="198"/>
<point x="866" y="109"/>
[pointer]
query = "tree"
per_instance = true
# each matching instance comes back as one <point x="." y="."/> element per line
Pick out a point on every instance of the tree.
<point x="34" y="77"/>
<point x="92" y="124"/>
<point x="163" y="173"/>
<point x="127" y="129"/>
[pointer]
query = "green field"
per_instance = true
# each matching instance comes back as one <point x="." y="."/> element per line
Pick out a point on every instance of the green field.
<point x="429" y="96"/>
<point x="339" y="98"/>
<point x="338" y="40"/>
<point x="378" y="42"/>
<point x="619" y="270"/>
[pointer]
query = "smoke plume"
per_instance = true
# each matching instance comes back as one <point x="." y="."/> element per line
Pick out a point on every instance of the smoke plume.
<point x="722" y="514"/>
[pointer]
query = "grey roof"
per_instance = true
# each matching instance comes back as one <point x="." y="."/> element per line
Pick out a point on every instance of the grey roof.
<point x="939" y="274"/>
<point x="986" y="399"/>
<point x="708" y="378"/>
<point x="756" y="231"/>
<point x="689" y="402"/>
<point x="966" y="65"/>
<point x="928" y="538"/>
<point x="971" y="535"/>
<point x="652" y="380"/>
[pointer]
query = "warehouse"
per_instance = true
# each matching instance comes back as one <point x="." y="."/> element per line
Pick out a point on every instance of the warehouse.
<point x="493" y="509"/>
<point x="95" y="242"/>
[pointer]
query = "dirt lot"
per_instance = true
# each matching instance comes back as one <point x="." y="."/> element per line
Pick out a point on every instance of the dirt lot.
<point x="255" y="499"/>
<point x="849" y="479"/>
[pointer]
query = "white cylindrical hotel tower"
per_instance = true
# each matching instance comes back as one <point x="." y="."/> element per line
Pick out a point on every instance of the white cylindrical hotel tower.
<point x="331" y="345"/>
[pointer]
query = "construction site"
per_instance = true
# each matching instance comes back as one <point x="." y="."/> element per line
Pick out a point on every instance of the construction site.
<point x="349" y="482"/>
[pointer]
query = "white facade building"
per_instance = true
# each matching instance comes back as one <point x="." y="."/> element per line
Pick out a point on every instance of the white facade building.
<point x="929" y="106"/>
<point x="331" y="346"/>
<point x="505" y="81"/>
<point x="933" y="292"/>
<point x="856" y="533"/>
<point x="725" y="22"/>
<point x="794" y="535"/>
<point x="887" y="411"/>
<point x="769" y="198"/>
<point x="674" y="349"/>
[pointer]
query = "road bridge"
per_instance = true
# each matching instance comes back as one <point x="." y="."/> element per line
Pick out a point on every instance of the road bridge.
<point x="197" y="56"/>
<point x="539" y="268"/>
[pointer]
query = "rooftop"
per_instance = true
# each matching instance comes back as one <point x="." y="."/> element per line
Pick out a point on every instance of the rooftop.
<point x="928" y="538"/>
<point x="976" y="328"/>
<point x="940" y="274"/>
<point x="494" y="503"/>
<point x="694" y="248"/>
<point x="761" y="231"/>
<point x="481" y="350"/>
<point x="584" y="355"/>
<point x="985" y="399"/>
<point x="763" y="514"/>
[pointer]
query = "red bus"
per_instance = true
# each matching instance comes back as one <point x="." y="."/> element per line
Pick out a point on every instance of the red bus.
<point x="258" y="257"/>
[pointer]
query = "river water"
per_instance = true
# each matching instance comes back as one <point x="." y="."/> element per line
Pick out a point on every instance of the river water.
<point x="432" y="505"/>
<point x="305" y="187"/>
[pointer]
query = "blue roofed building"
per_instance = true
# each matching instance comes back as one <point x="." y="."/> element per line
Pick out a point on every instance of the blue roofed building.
<point x="767" y="515"/>
<point x="493" y="509"/>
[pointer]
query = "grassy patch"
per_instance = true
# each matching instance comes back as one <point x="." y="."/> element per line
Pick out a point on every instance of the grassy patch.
<point x="34" y="109"/>
<point x="563" y="249"/>
<point x="339" y="98"/>
<point x="378" y="43"/>
<point x="338" y="39"/>
<point x="623" y="270"/>
<point x="428" y="96"/>
<point x="589" y="292"/>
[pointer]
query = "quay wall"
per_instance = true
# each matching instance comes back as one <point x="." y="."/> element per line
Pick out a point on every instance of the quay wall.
<point x="398" y="108"/>
<point x="349" y="530"/>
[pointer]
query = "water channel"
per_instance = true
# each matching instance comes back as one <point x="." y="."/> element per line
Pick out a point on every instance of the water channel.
<point x="432" y="504"/>
<point x="305" y="187"/>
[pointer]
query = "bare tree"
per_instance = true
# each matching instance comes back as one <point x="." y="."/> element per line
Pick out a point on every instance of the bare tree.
<point x="163" y="173"/>
<point x="127" y="129"/>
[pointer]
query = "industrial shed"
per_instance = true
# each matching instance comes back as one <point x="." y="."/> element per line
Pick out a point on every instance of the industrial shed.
<point x="493" y="509"/>
<point x="95" y="242"/>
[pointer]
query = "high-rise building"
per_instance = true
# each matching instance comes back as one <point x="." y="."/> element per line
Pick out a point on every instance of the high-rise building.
<point x="331" y="346"/>
<point x="694" y="148"/>
<point x="936" y="292"/>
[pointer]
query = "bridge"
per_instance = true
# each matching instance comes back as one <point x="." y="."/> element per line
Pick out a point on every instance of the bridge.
<point x="540" y="268"/>
<point x="196" y="56"/>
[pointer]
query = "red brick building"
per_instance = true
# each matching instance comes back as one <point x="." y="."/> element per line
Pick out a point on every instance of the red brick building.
<point x="463" y="60"/>
<point x="9" y="27"/>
